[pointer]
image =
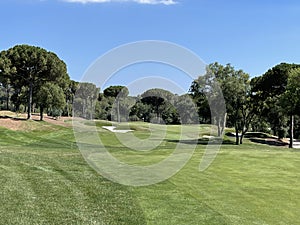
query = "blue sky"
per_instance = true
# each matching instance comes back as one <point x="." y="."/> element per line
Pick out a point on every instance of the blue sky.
<point x="251" y="35"/>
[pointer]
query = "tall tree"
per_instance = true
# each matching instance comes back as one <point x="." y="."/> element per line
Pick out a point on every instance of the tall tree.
<point x="162" y="104"/>
<point x="70" y="92"/>
<point x="119" y="93"/>
<point x="186" y="109"/>
<point x="224" y="82"/>
<point x="85" y="100"/>
<point x="290" y="100"/>
<point x="5" y="71"/>
<point x="50" y="96"/>
<point x="207" y="93"/>
<point x="268" y="89"/>
<point x="198" y="94"/>
<point x="140" y="111"/>
<point x="32" y="67"/>
<point x="236" y="90"/>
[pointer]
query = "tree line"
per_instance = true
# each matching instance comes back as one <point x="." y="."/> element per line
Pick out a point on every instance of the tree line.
<point x="33" y="79"/>
<point x="268" y="103"/>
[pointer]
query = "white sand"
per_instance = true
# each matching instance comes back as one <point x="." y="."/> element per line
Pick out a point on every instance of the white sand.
<point x="296" y="144"/>
<point x="209" y="137"/>
<point x="113" y="129"/>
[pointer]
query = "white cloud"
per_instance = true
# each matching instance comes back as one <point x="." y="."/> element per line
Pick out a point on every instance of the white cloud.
<point x="150" y="2"/>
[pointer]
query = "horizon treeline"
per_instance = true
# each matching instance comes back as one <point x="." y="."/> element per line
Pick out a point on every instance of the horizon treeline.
<point x="34" y="80"/>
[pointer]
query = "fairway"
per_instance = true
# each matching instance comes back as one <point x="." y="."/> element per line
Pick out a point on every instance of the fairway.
<point x="45" y="180"/>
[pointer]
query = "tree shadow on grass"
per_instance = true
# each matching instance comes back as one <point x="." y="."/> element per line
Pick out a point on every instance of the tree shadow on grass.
<point x="12" y="118"/>
<point x="24" y="119"/>
<point x="269" y="141"/>
<point x="203" y="141"/>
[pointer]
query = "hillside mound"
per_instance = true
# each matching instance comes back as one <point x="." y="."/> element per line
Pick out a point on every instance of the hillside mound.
<point x="18" y="122"/>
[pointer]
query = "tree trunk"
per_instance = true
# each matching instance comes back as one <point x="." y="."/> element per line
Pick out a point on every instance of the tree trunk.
<point x="68" y="111"/>
<point x="237" y="139"/>
<point x="84" y="108"/>
<point x="17" y="107"/>
<point x="219" y="126"/>
<point x="41" y="113"/>
<point x="243" y="134"/>
<point x="241" y="139"/>
<point x="7" y="98"/>
<point x="157" y="113"/>
<point x="291" y="145"/>
<point x="224" y="123"/>
<point x="118" y="110"/>
<point x="91" y="112"/>
<point x="30" y="100"/>
<point x="244" y="131"/>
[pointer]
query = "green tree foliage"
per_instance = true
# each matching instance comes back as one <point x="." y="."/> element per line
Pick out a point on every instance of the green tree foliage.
<point x="31" y="67"/>
<point x="162" y="104"/>
<point x="224" y="82"/>
<point x="70" y="92"/>
<point x="291" y="96"/>
<point x="140" y="111"/>
<point x="268" y="89"/>
<point x="31" y="76"/>
<point x="85" y="100"/>
<point x="198" y="94"/>
<point x="103" y="107"/>
<point x="5" y="71"/>
<point x="116" y="91"/>
<point x="50" y="96"/>
<point x="290" y="100"/>
<point x="118" y="102"/>
<point x="186" y="109"/>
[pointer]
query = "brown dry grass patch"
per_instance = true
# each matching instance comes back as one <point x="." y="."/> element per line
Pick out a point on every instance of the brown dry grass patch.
<point x="18" y="122"/>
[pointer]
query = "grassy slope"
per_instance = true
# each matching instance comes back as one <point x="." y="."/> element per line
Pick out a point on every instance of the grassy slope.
<point x="44" y="180"/>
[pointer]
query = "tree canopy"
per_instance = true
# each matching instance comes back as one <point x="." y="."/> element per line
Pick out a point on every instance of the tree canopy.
<point x="31" y="67"/>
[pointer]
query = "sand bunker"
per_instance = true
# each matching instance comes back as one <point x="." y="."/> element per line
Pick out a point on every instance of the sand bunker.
<point x="113" y="129"/>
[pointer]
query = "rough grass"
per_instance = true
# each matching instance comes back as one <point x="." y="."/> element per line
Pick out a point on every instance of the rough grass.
<point x="45" y="180"/>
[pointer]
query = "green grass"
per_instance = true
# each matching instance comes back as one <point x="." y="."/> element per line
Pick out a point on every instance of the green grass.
<point x="45" y="180"/>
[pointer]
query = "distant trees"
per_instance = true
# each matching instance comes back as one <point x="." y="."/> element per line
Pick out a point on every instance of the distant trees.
<point x="154" y="105"/>
<point x="116" y="91"/>
<point x="70" y="92"/>
<point x="33" y="79"/>
<point x="234" y="87"/>
<point x="5" y="72"/>
<point x="186" y="109"/>
<point x="277" y="92"/>
<point x="268" y="89"/>
<point x="121" y="102"/>
<point x="161" y="103"/>
<point x="270" y="100"/>
<point x="290" y="100"/>
<point x="207" y="93"/>
<point x="85" y="100"/>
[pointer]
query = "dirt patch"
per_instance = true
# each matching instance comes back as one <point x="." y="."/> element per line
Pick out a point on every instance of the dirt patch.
<point x="18" y="122"/>
<point x="61" y="121"/>
<point x="11" y="123"/>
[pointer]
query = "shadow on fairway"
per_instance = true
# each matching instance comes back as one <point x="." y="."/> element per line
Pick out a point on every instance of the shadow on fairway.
<point x="25" y="119"/>
<point x="203" y="141"/>
<point x="269" y="141"/>
<point x="12" y="118"/>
